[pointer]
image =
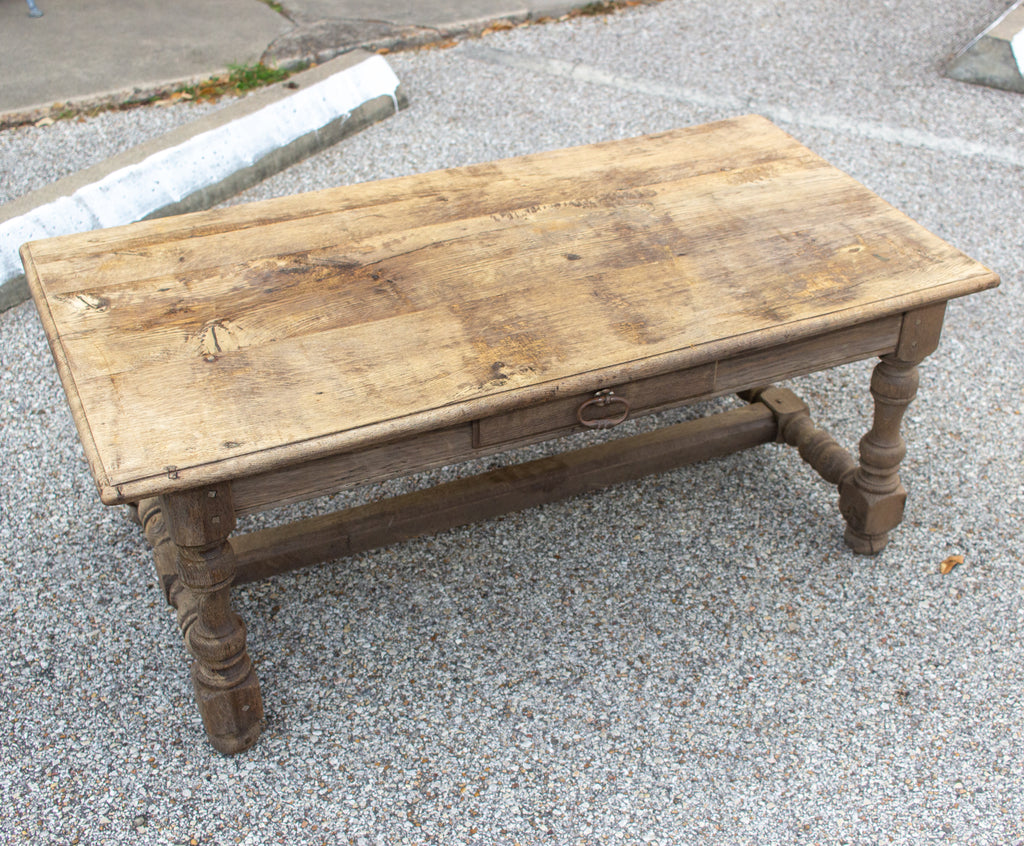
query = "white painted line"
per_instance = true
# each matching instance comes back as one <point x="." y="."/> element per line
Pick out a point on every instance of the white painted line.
<point x="170" y="175"/>
<point x="596" y="76"/>
<point x="782" y="114"/>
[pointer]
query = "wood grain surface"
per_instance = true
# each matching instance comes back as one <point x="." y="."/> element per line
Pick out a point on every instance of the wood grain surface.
<point x="217" y="345"/>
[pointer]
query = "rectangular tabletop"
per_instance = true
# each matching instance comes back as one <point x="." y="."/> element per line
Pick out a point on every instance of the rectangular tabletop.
<point x="210" y="346"/>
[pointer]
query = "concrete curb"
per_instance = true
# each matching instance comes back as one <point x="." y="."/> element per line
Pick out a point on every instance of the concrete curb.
<point x="996" y="57"/>
<point x="204" y="163"/>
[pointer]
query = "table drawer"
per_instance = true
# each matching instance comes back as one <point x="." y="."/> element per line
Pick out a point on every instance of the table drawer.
<point x="600" y="410"/>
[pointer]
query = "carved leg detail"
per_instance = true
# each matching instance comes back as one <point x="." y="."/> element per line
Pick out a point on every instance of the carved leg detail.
<point x="165" y="555"/>
<point x="816" y="446"/>
<point x="872" y="498"/>
<point x="227" y="691"/>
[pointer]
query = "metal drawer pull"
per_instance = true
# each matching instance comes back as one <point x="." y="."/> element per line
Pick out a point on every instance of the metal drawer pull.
<point x="603" y="398"/>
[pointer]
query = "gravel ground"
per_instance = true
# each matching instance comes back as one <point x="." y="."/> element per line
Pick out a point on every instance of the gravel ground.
<point x="695" y="658"/>
<point x="34" y="156"/>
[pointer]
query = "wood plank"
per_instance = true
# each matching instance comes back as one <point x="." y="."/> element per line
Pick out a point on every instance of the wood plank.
<point x="681" y="233"/>
<point x="277" y="550"/>
<point x="295" y="294"/>
<point x="334" y="321"/>
<point x="458" y="351"/>
<point x="572" y="174"/>
<point x="67" y="377"/>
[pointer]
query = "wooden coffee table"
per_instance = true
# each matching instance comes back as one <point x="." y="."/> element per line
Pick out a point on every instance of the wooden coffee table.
<point x="227" y="362"/>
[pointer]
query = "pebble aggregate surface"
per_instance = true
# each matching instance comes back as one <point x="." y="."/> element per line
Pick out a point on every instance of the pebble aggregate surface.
<point x="692" y="658"/>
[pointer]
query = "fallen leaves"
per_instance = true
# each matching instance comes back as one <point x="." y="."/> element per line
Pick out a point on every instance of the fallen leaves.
<point x="498" y="26"/>
<point x="946" y="567"/>
<point x="176" y="97"/>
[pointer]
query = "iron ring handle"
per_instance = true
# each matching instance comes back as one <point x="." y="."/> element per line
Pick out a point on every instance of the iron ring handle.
<point x="603" y="399"/>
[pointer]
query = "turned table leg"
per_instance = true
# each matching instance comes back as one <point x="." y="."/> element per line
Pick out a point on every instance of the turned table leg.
<point x="872" y="498"/>
<point x="227" y="691"/>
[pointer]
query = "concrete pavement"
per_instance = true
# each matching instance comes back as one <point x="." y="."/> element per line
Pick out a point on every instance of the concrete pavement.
<point x="83" y="53"/>
<point x="88" y="52"/>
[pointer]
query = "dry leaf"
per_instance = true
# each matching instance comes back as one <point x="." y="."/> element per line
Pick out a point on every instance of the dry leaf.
<point x="46" y="121"/>
<point x="498" y="26"/>
<point x="947" y="566"/>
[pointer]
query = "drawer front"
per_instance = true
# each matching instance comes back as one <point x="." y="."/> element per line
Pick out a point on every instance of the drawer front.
<point x="602" y="409"/>
<point x="642" y="396"/>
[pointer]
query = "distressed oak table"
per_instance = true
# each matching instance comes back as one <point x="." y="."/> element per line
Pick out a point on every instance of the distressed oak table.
<point x="227" y="362"/>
